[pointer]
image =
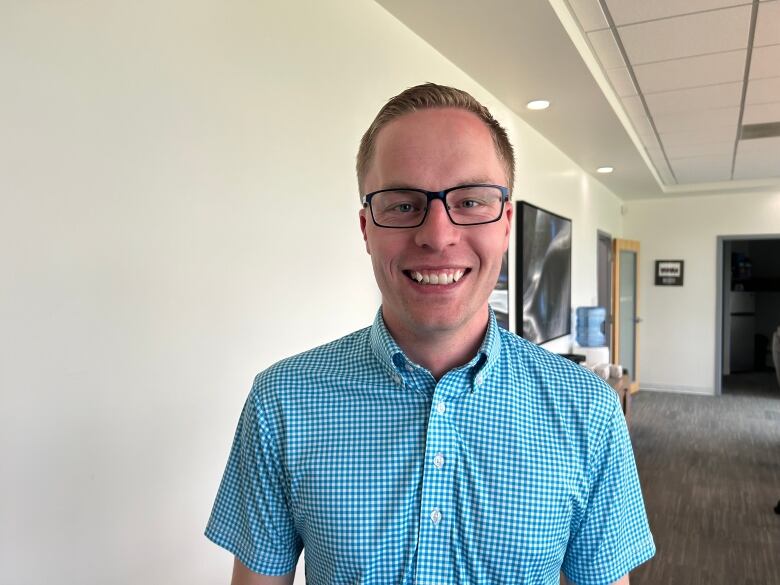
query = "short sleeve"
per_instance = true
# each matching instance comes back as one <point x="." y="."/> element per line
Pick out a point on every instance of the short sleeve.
<point x="251" y="516"/>
<point x="613" y="536"/>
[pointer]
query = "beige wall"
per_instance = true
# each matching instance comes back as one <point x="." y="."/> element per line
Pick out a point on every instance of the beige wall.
<point x="678" y="334"/>
<point x="177" y="211"/>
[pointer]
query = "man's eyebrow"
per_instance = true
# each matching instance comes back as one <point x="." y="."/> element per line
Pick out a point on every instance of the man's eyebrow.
<point x="400" y="185"/>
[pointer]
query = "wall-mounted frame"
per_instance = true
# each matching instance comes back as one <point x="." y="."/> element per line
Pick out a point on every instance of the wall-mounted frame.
<point x="543" y="269"/>
<point x="669" y="272"/>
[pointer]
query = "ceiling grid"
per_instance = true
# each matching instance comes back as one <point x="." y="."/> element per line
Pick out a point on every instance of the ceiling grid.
<point x="694" y="72"/>
<point x="679" y="96"/>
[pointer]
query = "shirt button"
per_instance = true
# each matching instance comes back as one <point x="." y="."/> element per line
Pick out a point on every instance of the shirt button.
<point x="479" y="379"/>
<point x="438" y="461"/>
<point x="435" y="516"/>
<point x="409" y="368"/>
<point x="441" y="408"/>
<point x="397" y="379"/>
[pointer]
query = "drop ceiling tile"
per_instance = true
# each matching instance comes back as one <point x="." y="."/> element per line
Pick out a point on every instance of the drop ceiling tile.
<point x="699" y="98"/>
<point x="702" y="149"/>
<point x="763" y="91"/>
<point x="692" y="71"/>
<point x="758" y="161"/>
<point x="686" y="36"/>
<point x="696" y="120"/>
<point x="702" y="169"/>
<point x="747" y="169"/>
<point x="691" y="138"/>
<point x="760" y="146"/>
<point x="606" y="49"/>
<point x="768" y="24"/>
<point x="627" y="11"/>
<point x="714" y="134"/>
<point x="621" y="82"/>
<point x="765" y="61"/>
<point x="760" y="113"/>
<point x="589" y="14"/>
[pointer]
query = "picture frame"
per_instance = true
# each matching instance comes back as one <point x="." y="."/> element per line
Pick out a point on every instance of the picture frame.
<point x="669" y="272"/>
<point x="543" y="273"/>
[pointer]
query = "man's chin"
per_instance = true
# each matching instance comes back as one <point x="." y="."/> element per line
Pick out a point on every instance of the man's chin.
<point x="433" y="323"/>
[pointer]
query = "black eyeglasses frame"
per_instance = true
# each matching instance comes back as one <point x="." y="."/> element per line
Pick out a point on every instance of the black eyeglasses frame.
<point x="432" y="196"/>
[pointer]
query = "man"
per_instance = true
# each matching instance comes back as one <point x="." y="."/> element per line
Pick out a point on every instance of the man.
<point x="432" y="447"/>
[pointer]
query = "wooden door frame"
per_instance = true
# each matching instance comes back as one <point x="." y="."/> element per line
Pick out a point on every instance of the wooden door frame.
<point x="619" y="245"/>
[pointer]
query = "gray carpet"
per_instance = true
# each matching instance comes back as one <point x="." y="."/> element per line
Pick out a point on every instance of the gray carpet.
<point x="710" y="473"/>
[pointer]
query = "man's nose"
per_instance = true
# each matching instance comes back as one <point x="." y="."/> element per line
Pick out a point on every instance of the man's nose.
<point x="437" y="231"/>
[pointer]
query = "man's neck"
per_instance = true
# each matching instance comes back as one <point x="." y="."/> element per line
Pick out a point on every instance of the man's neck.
<point x="439" y="350"/>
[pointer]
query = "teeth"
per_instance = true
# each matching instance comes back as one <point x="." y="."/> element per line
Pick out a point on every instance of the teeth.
<point x="437" y="278"/>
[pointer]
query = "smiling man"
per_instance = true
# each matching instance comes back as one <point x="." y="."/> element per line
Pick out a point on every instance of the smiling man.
<point x="432" y="447"/>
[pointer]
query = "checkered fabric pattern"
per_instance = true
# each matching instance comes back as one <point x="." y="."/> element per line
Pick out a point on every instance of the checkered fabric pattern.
<point x="510" y="469"/>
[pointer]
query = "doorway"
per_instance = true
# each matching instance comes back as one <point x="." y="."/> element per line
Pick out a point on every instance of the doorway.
<point x="625" y="307"/>
<point x="748" y="314"/>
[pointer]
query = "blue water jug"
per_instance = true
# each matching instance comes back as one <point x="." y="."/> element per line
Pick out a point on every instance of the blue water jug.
<point x="590" y="326"/>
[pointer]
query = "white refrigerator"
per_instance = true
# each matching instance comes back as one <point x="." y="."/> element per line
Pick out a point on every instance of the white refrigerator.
<point x="742" y="312"/>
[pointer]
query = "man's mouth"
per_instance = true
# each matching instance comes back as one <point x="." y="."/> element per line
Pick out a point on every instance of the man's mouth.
<point x="436" y="277"/>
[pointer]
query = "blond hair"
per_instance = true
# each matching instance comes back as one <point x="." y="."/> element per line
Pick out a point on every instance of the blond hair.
<point x="426" y="96"/>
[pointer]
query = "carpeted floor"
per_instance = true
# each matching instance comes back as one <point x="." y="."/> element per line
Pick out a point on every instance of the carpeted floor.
<point x="710" y="473"/>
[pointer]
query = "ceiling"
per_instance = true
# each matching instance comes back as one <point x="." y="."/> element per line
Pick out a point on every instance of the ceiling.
<point x="679" y="96"/>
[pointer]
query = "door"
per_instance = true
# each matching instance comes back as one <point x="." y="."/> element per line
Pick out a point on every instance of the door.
<point x="604" y="279"/>
<point x="625" y="309"/>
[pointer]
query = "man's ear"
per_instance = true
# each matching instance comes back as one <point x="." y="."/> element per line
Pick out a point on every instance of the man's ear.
<point x="363" y="223"/>
<point x="509" y="210"/>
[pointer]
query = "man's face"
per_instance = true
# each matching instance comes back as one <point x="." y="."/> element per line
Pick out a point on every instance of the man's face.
<point x="435" y="149"/>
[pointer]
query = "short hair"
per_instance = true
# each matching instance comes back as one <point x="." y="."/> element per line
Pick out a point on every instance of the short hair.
<point x="429" y="96"/>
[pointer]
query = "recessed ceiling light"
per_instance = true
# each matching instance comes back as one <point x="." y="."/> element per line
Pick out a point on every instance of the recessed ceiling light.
<point x="538" y="105"/>
<point x="604" y="170"/>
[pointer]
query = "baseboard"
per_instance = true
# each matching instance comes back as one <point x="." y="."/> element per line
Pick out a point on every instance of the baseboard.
<point x="676" y="389"/>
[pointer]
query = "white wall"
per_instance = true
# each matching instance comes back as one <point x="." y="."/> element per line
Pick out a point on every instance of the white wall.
<point x="178" y="211"/>
<point x="677" y="337"/>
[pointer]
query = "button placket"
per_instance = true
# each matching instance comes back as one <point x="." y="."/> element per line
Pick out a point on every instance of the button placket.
<point x="437" y="514"/>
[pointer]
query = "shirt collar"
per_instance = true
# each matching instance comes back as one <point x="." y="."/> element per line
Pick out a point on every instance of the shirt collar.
<point x="383" y="345"/>
<point x="392" y="357"/>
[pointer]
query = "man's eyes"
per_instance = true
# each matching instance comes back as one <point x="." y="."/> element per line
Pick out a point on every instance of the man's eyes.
<point x="402" y="207"/>
<point x="402" y="202"/>
<point x="471" y="203"/>
<point x="406" y="202"/>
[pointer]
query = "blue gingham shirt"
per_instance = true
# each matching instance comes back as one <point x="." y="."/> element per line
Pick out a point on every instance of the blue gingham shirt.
<point x="509" y="469"/>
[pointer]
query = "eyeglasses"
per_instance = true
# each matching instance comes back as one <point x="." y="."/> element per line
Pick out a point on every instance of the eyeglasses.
<point x="465" y="205"/>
